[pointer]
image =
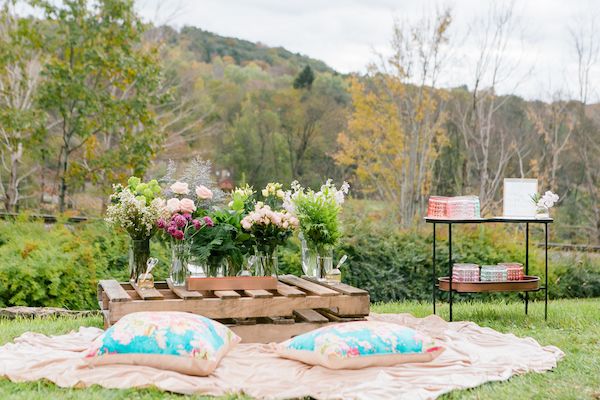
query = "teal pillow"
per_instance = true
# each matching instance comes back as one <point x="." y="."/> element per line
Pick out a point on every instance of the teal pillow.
<point x="178" y="341"/>
<point x="360" y="344"/>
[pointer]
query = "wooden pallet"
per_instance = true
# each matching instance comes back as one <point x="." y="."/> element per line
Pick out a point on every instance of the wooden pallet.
<point x="298" y="305"/>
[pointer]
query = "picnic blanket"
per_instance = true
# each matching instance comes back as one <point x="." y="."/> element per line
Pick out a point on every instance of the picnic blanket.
<point x="474" y="355"/>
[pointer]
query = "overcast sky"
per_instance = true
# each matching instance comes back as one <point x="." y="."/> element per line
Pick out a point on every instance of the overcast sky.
<point x="345" y="33"/>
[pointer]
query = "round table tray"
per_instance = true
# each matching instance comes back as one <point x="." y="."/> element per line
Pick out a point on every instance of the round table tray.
<point x="527" y="284"/>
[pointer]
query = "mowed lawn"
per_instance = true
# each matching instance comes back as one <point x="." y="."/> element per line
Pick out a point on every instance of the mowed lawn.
<point x="573" y="326"/>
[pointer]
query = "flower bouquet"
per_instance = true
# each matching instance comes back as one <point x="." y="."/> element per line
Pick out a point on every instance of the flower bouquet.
<point x="269" y="229"/>
<point x="135" y="208"/>
<point x="544" y="203"/>
<point x="318" y="215"/>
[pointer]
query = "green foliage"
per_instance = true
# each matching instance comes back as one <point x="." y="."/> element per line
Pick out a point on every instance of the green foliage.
<point x="305" y="79"/>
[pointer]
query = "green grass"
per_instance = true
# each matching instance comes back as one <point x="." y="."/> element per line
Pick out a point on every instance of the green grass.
<point x="573" y="326"/>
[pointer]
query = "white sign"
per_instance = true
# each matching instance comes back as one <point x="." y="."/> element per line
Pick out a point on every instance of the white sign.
<point x="518" y="195"/>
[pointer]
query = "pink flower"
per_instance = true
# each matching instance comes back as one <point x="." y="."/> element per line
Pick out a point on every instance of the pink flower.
<point x="187" y="205"/>
<point x="188" y="216"/>
<point x="208" y="221"/>
<point x="197" y="224"/>
<point x="173" y="205"/>
<point x="203" y="192"/>
<point x="178" y="235"/>
<point x="179" y="220"/>
<point x="171" y="228"/>
<point x="161" y="223"/>
<point x="180" y="188"/>
<point x="353" y="352"/>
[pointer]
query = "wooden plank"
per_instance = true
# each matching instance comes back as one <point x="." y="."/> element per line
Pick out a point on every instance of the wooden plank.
<point x="114" y="291"/>
<point x="182" y="293"/>
<point x="147" y="294"/>
<point x="308" y="285"/>
<point x="339" y="287"/>
<point x="232" y="283"/>
<point x="106" y="316"/>
<point x="310" y="315"/>
<point x="276" y="320"/>
<point x="335" y="317"/>
<point x="245" y="307"/>
<point x="289" y="291"/>
<point x="258" y="293"/>
<point x="269" y="333"/>
<point x="227" y="294"/>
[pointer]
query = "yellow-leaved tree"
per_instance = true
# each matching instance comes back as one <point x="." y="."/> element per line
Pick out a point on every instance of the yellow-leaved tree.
<point x="397" y="123"/>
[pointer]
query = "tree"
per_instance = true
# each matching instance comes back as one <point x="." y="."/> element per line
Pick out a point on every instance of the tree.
<point x="305" y="79"/>
<point x="397" y="124"/>
<point x="21" y="121"/>
<point x="100" y="86"/>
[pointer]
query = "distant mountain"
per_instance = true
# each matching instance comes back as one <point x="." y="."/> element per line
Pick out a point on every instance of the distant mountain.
<point x="207" y="45"/>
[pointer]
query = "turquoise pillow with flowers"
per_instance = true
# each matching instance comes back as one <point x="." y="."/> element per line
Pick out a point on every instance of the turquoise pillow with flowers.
<point x="360" y="344"/>
<point x="178" y="341"/>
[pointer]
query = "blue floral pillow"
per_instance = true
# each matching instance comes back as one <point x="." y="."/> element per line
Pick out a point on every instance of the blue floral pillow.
<point x="360" y="344"/>
<point x="179" y="341"/>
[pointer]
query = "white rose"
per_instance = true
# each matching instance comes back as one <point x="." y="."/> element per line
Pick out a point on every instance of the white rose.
<point x="173" y="205"/>
<point x="187" y="205"/>
<point x="203" y="192"/>
<point x="265" y="192"/>
<point x="180" y="188"/>
<point x="280" y="194"/>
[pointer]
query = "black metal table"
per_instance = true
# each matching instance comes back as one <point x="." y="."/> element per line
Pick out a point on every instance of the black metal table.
<point x="526" y="221"/>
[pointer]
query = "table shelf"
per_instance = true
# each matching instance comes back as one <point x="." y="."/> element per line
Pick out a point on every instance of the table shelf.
<point x="527" y="284"/>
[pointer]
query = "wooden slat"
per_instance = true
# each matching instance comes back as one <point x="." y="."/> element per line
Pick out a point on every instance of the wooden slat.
<point x="232" y="283"/>
<point x="114" y="291"/>
<point x="147" y="294"/>
<point x="245" y="307"/>
<point x="227" y="294"/>
<point x="334" y="317"/>
<point x="339" y="287"/>
<point x="277" y="320"/>
<point x="269" y="333"/>
<point x="308" y="285"/>
<point x="258" y="293"/>
<point x="182" y="293"/>
<point x="289" y="291"/>
<point x="310" y="315"/>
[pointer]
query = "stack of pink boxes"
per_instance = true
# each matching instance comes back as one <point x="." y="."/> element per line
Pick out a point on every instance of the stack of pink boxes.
<point x="465" y="273"/>
<point x="460" y="207"/>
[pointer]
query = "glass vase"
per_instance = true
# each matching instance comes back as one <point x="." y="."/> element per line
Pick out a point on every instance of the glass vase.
<point x="324" y="264"/>
<point x="266" y="265"/>
<point x="542" y="212"/>
<point x="180" y="259"/>
<point x="139" y="252"/>
<point x="309" y="258"/>
<point x="213" y="267"/>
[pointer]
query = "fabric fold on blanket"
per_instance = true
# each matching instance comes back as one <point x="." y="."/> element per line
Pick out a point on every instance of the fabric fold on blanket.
<point x="474" y="355"/>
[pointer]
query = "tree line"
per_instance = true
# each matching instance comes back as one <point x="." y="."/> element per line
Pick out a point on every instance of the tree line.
<point x="90" y="94"/>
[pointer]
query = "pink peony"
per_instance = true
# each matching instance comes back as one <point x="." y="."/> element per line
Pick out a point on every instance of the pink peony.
<point x="188" y="216"/>
<point x="161" y="223"/>
<point x="171" y="228"/>
<point x="208" y="221"/>
<point x="197" y="224"/>
<point x="180" y="188"/>
<point x="203" y="192"/>
<point x="173" y="205"/>
<point x="179" y="220"/>
<point x="178" y="235"/>
<point x="187" y="205"/>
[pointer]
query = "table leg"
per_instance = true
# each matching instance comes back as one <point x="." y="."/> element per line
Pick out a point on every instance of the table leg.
<point x="546" y="271"/>
<point x="526" y="263"/>
<point x="433" y="288"/>
<point x="450" y="267"/>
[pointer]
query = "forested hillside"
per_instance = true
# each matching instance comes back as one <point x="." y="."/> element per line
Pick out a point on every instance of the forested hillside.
<point x="85" y="105"/>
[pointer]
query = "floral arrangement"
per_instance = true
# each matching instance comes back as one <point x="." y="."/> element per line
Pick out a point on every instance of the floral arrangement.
<point x="269" y="228"/>
<point x="317" y="212"/>
<point x="546" y="201"/>
<point x="136" y="207"/>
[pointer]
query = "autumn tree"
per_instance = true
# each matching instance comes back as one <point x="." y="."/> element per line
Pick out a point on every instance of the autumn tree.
<point x="99" y="90"/>
<point x="397" y="123"/>
<point x="21" y="121"/>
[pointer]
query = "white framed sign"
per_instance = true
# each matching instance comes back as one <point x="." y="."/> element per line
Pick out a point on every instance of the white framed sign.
<point x="518" y="197"/>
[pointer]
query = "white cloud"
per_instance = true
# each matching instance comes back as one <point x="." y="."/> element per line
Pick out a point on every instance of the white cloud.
<point x="343" y="33"/>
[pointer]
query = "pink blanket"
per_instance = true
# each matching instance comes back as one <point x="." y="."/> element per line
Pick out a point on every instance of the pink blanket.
<point x="473" y="355"/>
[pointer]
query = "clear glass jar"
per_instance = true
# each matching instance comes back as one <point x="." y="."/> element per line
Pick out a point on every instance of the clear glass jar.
<point x="266" y="265"/>
<point x="324" y="264"/>
<point x="309" y="258"/>
<point x="139" y="252"/>
<point x="180" y="259"/>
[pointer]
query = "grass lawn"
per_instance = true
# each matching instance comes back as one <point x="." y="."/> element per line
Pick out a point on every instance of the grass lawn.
<point x="573" y="326"/>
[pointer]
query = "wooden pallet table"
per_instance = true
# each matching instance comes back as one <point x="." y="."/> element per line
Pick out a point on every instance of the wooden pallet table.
<point x="296" y="306"/>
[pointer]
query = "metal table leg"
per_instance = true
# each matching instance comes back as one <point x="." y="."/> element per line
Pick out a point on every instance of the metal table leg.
<point x="526" y="263"/>
<point x="546" y="270"/>
<point x="450" y="267"/>
<point x="433" y="277"/>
